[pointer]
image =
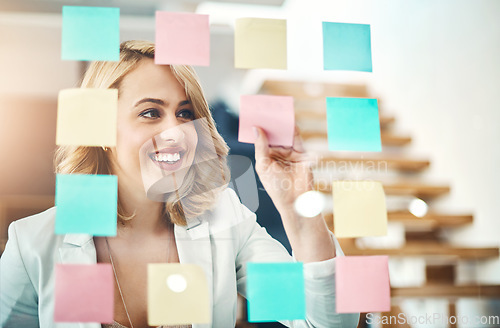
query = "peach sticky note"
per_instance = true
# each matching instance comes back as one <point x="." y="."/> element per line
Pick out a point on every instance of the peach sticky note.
<point x="87" y="117"/>
<point x="362" y="284"/>
<point x="359" y="209"/>
<point x="84" y="293"/>
<point x="182" y="39"/>
<point x="177" y="295"/>
<point x="260" y="43"/>
<point x="265" y="111"/>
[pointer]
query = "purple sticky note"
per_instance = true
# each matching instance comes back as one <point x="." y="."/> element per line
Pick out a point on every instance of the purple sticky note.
<point x="362" y="284"/>
<point x="84" y="293"/>
<point x="274" y="114"/>
<point x="182" y="39"/>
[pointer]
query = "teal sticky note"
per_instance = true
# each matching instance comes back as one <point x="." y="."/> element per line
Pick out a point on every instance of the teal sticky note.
<point x="86" y="203"/>
<point x="353" y="124"/>
<point x="275" y="291"/>
<point x="347" y="47"/>
<point x="90" y="33"/>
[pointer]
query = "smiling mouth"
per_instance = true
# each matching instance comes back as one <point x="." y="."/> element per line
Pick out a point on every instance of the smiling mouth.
<point x="169" y="158"/>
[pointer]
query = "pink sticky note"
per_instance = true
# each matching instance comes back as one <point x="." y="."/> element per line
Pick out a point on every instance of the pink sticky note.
<point x="274" y="114"/>
<point x="182" y="39"/>
<point x="84" y="293"/>
<point x="362" y="284"/>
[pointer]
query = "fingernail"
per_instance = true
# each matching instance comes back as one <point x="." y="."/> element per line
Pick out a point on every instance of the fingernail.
<point x="255" y="131"/>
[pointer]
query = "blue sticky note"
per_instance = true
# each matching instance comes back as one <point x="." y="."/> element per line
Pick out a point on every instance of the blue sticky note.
<point x="86" y="203"/>
<point x="353" y="124"/>
<point x="347" y="47"/>
<point x="275" y="291"/>
<point x="90" y="33"/>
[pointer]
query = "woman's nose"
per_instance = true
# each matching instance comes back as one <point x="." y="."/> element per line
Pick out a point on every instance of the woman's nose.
<point x="172" y="131"/>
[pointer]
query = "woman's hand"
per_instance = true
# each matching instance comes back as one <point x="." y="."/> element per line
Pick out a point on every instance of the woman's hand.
<point x="284" y="171"/>
<point x="286" y="174"/>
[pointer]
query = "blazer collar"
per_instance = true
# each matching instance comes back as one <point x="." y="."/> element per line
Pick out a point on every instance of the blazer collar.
<point x="77" y="239"/>
<point x="194" y="246"/>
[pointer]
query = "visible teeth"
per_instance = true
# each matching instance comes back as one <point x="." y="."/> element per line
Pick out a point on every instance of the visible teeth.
<point x="162" y="157"/>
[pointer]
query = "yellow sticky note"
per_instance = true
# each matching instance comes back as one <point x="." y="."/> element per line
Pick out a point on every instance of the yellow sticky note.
<point x="87" y="117"/>
<point x="359" y="209"/>
<point x="260" y="43"/>
<point x="177" y="294"/>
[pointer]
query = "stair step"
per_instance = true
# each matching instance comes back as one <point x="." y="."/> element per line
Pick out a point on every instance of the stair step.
<point x="429" y="222"/>
<point x="313" y="90"/>
<point x="300" y="115"/>
<point x="388" y="139"/>
<point x="451" y="291"/>
<point x="412" y="189"/>
<point x="423" y="249"/>
<point x="411" y="165"/>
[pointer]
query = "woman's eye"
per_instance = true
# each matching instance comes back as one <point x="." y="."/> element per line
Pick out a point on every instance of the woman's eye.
<point x="186" y="114"/>
<point x="150" y="113"/>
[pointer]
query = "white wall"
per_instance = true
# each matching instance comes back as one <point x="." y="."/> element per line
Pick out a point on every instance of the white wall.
<point x="436" y="66"/>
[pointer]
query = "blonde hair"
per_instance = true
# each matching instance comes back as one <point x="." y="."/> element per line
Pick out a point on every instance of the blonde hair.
<point x="199" y="188"/>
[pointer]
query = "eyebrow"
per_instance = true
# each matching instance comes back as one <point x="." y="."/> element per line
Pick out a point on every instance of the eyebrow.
<point x="159" y="102"/>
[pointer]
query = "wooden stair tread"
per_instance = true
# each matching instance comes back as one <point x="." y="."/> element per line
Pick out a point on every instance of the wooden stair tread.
<point x="424" y="249"/>
<point x="430" y="221"/>
<point x="404" y="164"/>
<point x="402" y="188"/>
<point x="479" y="291"/>
<point x="317" y="115"/>
<point x="388" y="139"/>
<point x="313" y="90"/>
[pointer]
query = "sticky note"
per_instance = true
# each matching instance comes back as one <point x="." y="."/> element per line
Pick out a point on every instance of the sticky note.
<point x="265" y="111"/>
<point x="182" y="39"/>
<point x="90" y="33"/>
<point x="84" y="293"/>
<point x="260" y="43"/>
<point x="87" y="117"/>
<point x="362" y="284"/>
<point x="353" y="124"/>
<point x="86" y="203"/>
<point x="275" y="291"/>
<point x="177" y="294"/>
<point x="347" y="47"/>
<point x="359" y="208"/>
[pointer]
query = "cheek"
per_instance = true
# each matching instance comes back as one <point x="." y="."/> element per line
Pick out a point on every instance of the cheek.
<point x="191" y="137"/>
<point x="128" y="146"/>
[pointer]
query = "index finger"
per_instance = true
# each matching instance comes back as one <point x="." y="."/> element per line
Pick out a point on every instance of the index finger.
<point x="297" y="141"/>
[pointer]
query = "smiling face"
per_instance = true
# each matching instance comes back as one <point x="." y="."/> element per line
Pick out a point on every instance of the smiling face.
<point x="157" y="139"/>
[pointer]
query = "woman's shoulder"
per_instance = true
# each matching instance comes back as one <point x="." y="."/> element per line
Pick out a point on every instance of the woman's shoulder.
<point x="34" y="224"/>
<point x="36" y="232"/>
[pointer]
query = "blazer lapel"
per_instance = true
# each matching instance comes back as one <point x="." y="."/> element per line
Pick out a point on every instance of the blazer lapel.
<point x="194" y="247"/>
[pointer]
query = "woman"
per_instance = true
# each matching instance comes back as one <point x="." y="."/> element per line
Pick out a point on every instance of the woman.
<point x="157" y="110"/>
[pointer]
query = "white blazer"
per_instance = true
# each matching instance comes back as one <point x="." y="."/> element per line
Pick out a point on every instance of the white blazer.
<point x="221" y="241"/>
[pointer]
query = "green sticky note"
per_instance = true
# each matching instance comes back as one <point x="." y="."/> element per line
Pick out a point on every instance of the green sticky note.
<point x="90" y="33"/>
<point x="347" y="47"/>
<point x="86" y="203"/>
<point x="353" y="124"/>
<point x="275" y="291"/>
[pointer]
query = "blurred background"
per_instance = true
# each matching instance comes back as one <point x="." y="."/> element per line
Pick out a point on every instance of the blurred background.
<point x="436" y="74"/>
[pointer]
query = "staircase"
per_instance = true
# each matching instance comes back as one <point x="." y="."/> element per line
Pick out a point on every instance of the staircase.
<point x="401" y="178"/>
